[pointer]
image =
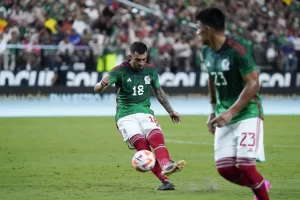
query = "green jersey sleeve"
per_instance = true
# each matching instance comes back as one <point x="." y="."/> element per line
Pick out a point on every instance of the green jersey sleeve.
<point x="155" y="80"/>
<point x="246" y="63"/>
<point x="112" y="77"/>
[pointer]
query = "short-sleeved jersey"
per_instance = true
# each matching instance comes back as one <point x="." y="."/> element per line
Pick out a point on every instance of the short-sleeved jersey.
<point x="226" y="67"/>
<point x="133" y="88"/>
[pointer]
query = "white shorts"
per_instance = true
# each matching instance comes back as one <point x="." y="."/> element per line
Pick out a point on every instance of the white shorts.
<point x="241" y="139"/>
<point x="139" y="123"/>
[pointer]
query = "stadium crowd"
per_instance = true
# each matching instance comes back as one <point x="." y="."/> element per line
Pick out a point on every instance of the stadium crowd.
<point x="38" y="34"/>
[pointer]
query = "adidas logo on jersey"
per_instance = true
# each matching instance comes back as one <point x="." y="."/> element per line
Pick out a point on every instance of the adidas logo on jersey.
<point x="250" y="150"/>
<point x="129" y="80"/>
<point x="208" y="64"/>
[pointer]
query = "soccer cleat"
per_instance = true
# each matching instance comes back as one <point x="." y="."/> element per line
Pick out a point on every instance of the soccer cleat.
<point x="166" y="185"/>
<point x="268" y="187"/>
<point x="172" y="167"/>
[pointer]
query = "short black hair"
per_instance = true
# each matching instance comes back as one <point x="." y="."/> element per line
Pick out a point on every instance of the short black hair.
<point x="212" y="17"/>
<point x="138" y="47"/>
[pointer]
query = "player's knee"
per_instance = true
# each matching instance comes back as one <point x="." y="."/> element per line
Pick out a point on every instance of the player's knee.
<point x="247" y="169"/>
<point x="246" y="165"/>
<point x="224" y="171"/>
<point x="245" y="162"/>
<point x="156" y="138"/>
<point x="139" y="142"/>
<point x="225" y="165"/>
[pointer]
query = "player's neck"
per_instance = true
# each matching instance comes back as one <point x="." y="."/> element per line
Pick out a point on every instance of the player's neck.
<point x="134" y="69"/>
<point x="218" y="41"/>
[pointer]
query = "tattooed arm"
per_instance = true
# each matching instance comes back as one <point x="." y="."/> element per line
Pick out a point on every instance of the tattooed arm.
<point x="163" y="100"/>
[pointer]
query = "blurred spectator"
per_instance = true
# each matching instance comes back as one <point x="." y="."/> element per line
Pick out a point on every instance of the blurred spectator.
<point x="296" y="42"/>
<point x="3" y="22"/>
<point x="100" y="37"/>
<point x="271" y="55"/>
<point x="3" y="51"/>
<point x="153" y="55"/>
<point x="16" y="14"/>
<point x="31" y="51"/>
<point x="3" y="10"/>
<point x="79" y="25"/>
<point x="85" y="37"/>
<point x="74" y="37"/>
<point x="92" y="11"/>
<point x="10" y="58"/>
<point x="50" y="24"/>
<point x="60" y="71"/>
<point x="97" y="47"/>
<point x="182" y="52"/>
<point x="288" y="53"/>
<point x="259" y="34"/>
<point x="29" y="16"/>
<point x="65" y="47"/>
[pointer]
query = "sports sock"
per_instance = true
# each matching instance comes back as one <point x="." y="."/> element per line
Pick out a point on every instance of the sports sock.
<point x="226" y="168"/>
<point x="156" y="170"/>
<point x="140" y="143"/>
<point x="156" y="141"/>
<point x="255" y="179"/>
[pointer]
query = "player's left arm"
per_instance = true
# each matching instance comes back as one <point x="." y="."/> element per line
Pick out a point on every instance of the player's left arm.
<point x="250" y="89"/>
<point x="163" y="99"/>
<point x="249" y="73"/>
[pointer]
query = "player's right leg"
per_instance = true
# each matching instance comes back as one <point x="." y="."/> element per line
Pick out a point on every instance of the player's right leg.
<point x="154" y="135"/>
<point x="140" y="143"/>
<point x="132" y="134"/>
<point x="249" y="132"/>
<point x="225" y="156"/>
<point x="156" y="141"/>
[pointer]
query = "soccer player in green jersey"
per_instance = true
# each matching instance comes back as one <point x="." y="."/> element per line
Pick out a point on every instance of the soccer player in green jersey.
<point x="236" y="119"/>
<point x="135" y="120"/>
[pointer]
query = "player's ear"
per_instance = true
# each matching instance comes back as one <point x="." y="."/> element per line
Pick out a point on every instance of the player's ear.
<point x="208" y="29"/>
<point x="130" y="57"/>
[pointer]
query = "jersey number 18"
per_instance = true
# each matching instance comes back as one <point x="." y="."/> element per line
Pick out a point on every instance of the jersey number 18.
<point x="138" y="90"/>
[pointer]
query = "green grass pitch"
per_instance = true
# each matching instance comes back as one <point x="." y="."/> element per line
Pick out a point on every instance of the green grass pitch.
<point x="85" y="158"/>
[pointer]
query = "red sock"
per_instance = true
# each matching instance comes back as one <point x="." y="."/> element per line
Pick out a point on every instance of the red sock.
<point x="157" y="142"/>
<point x="226" y="168"/>
<point x="156" y="170"/>
<point x="255" y="179"/>
<point x="140" y="143"/>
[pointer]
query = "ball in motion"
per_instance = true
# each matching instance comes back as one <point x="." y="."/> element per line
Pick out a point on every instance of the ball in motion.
<point x="143" y="160"/>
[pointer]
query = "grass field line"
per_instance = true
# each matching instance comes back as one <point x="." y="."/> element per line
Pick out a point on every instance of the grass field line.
<point x="210" y="144"/>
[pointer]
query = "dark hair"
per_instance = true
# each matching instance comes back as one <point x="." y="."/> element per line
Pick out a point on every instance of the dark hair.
<point x="212" y="17"/>
<point x="138" y="47"/>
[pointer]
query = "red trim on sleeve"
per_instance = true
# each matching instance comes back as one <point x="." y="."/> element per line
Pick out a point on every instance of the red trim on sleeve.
<point x="241" y="50"/>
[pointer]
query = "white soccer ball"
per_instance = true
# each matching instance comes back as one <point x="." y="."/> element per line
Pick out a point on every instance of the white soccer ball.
<point x="143" y="160"/>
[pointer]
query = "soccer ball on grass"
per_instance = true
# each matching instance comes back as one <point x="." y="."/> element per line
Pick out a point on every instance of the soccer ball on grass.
<point x="143" y="160"/>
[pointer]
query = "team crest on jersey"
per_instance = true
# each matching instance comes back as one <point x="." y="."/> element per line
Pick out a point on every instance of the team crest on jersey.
<point x="225" y="64"/>
<point x="147" y="79"/>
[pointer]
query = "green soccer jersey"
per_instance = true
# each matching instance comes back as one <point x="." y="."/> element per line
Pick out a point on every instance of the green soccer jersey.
<point x="226" y="67"/>
<point x="133" y="88"/>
